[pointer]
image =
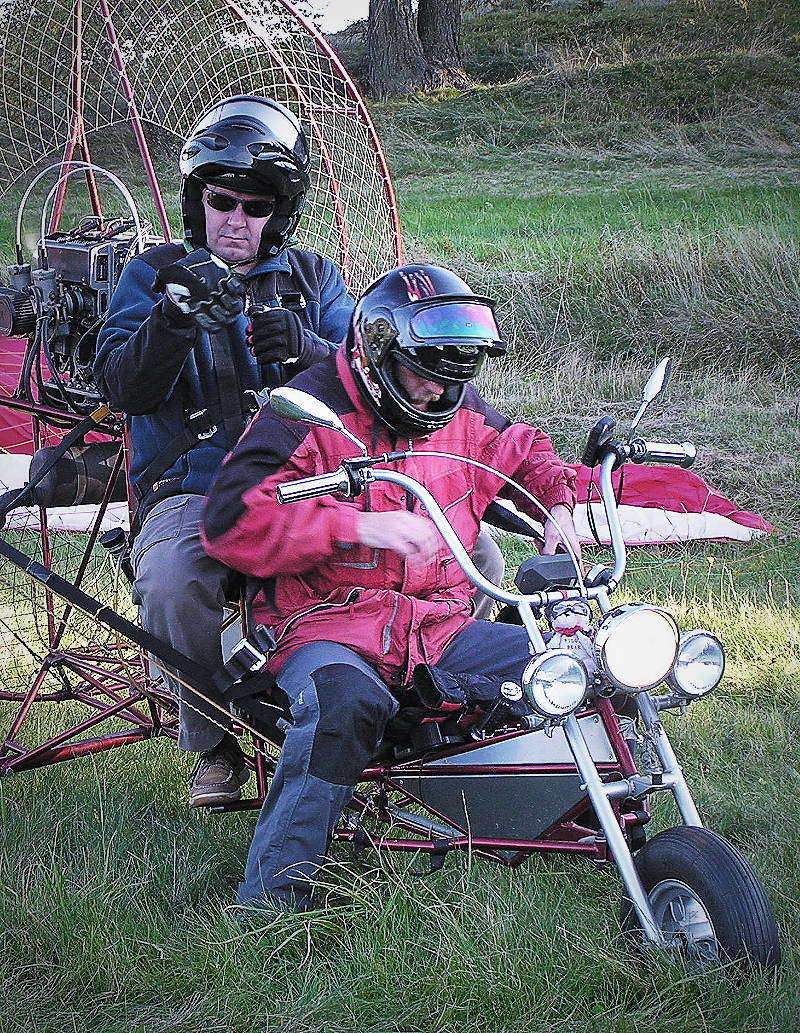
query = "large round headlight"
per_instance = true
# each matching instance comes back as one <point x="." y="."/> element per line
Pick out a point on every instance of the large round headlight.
<point x="700" y="664"/>
<point x="637" y="645"/>
<point x="554" y="683"/>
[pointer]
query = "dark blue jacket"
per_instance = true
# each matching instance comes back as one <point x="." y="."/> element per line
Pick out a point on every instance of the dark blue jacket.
<point x="158" y="369"/>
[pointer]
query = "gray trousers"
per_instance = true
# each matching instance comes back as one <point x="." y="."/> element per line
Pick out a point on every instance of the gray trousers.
<point x="181" y="591"/>
<point x="340" y="708"/>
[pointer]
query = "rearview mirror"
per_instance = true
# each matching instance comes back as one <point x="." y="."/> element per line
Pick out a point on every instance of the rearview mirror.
<point x="657" y="380"/>
<point x="292" y="404"/>
<point x="656" y="383"/>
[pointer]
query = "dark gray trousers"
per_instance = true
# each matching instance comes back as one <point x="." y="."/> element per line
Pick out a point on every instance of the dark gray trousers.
<point x="340" y="708"/>
<point x="180" y="592"/>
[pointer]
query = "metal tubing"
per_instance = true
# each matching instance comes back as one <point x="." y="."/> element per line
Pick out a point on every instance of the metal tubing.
<point x="453" y="543"/>
<point x="612" y="517"/>
<point x="523" y="603"/>
<point x="27" y="703"/>
<point x="86" y="747"/>
<point x="672" y="769"/>
<point x="614" y="834"/>
<point x="77" y="131"/>
<point x="133" y="111"/>
<point x="94" y="534"/>
<point x="59" y="740"/>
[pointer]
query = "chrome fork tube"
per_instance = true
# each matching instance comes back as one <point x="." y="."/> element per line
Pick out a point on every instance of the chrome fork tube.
<point x="613" y="833"/>
<point x="669" y="762"/>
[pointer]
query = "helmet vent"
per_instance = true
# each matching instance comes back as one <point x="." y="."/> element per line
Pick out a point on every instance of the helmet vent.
<point x="257" y="149"/>
<point x="213" y="142"/>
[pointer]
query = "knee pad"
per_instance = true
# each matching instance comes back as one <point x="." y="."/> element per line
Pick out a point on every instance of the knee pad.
<point x="353" y="711"/>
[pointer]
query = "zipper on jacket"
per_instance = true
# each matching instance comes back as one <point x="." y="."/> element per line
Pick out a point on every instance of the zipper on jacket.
<point x="352" y="596"/>
<point x="387" y="631"/>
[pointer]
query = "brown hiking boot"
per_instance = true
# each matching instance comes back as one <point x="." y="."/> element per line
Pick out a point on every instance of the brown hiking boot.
<point x="218" y="775"/>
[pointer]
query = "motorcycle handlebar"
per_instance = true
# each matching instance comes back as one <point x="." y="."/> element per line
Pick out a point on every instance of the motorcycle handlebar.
<point x="335" y="482"/>
<point x="666" y="452"/>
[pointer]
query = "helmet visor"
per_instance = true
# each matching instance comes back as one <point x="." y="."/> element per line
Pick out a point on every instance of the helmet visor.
<point x="455" y="320"/>
<point x="445" y="364"/>
<point x="251" y="114"/>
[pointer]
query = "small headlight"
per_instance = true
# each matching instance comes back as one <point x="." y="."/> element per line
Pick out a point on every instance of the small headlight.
<point x="700" y="664"/>
<point x="637" y="645"/>
<point x="554" y="683"/>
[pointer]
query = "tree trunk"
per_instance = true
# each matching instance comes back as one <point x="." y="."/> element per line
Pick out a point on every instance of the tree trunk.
<point x="439" y="27"/>
<point x="396" y="64"/>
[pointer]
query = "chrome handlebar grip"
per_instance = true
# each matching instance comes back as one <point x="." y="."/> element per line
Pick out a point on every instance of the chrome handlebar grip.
<point x="335" y="482"/>
<point x="671" y="453"/>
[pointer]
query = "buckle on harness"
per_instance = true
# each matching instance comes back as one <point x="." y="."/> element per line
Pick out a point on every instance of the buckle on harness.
<point x="258" y="399"/>
<point x="250" y="654"/>
<point x="292" y="300"/>
<point x="245" y="659"/>
<point x="198" y="423"/>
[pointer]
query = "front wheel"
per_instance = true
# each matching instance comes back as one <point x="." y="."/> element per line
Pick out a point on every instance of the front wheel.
<point x="706" y="898"/>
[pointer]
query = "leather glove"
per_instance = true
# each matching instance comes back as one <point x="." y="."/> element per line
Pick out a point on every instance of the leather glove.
<point x="276" y="335"/>
<point x="201" y="288"/>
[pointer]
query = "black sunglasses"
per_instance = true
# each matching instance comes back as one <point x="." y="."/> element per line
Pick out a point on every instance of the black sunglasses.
<point x="254" y="207"/>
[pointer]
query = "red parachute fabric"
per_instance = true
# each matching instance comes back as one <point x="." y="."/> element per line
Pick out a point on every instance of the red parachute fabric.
<point x="651" y="493"/>
<point x="15" y="427"/>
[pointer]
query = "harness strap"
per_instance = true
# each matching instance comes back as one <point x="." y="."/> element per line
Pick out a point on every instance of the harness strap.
<point x="230" y="389"/>
<point x="199" y="425"/>
<point x="233" y="411"/>
<point x="436" y="857"/>
<point x="163" y="651"/>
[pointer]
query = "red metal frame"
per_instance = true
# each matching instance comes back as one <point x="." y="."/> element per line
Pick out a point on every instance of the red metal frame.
<point x="133" y="111"/>
<point x="566" y="835"/>
<point x="108" y="685"/>
<point x="77" y="132"/>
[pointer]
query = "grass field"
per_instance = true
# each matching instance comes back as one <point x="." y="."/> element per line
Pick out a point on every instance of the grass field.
<point x="622" y="200"/>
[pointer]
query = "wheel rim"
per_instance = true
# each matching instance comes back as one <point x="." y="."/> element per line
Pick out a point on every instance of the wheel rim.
<point x="684" y="920"/>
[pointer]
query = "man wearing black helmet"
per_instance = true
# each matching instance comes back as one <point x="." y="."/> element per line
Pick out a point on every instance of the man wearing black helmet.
<point x="193" y="331"/>
<point x="362" y="593"/>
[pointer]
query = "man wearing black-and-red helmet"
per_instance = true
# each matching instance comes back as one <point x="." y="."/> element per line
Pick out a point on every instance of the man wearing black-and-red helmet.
<point x="362" y="592"/>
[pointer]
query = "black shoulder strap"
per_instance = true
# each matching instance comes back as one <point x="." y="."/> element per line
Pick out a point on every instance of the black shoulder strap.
<point x="283" y="288"/>
<point x="232" y="412"/>
<point x="231" y="396"/>
<point x="270" y="292"/>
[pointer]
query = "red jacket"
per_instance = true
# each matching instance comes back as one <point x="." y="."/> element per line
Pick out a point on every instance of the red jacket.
<point x="321" y="584"/>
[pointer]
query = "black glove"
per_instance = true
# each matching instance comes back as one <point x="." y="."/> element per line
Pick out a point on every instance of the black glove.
<point x="201" y="288"/>
<point x="276" y="335"/>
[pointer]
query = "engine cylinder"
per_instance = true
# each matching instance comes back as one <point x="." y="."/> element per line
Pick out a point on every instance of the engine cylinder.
<point x="79" y="477"/>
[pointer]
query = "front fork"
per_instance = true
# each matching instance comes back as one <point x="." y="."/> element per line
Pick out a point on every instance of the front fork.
<point x="600" y="793"/>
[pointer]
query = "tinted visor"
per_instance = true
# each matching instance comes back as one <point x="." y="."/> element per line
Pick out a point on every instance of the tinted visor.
<point x="457" y="320"/>
<point x="445" y="364"/>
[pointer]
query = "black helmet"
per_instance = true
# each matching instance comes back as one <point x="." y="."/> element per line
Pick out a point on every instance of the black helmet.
<point x="253" y="145"/>
<point x="427" y="319"/>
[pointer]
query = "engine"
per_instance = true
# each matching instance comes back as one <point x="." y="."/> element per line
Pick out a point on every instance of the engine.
<point x="60" y="307"/>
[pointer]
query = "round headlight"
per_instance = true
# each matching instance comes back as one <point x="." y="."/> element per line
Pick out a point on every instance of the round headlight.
<point x="700" y="664"/>
<point x="554" y="683"/>
<point x="637" y="645"/>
